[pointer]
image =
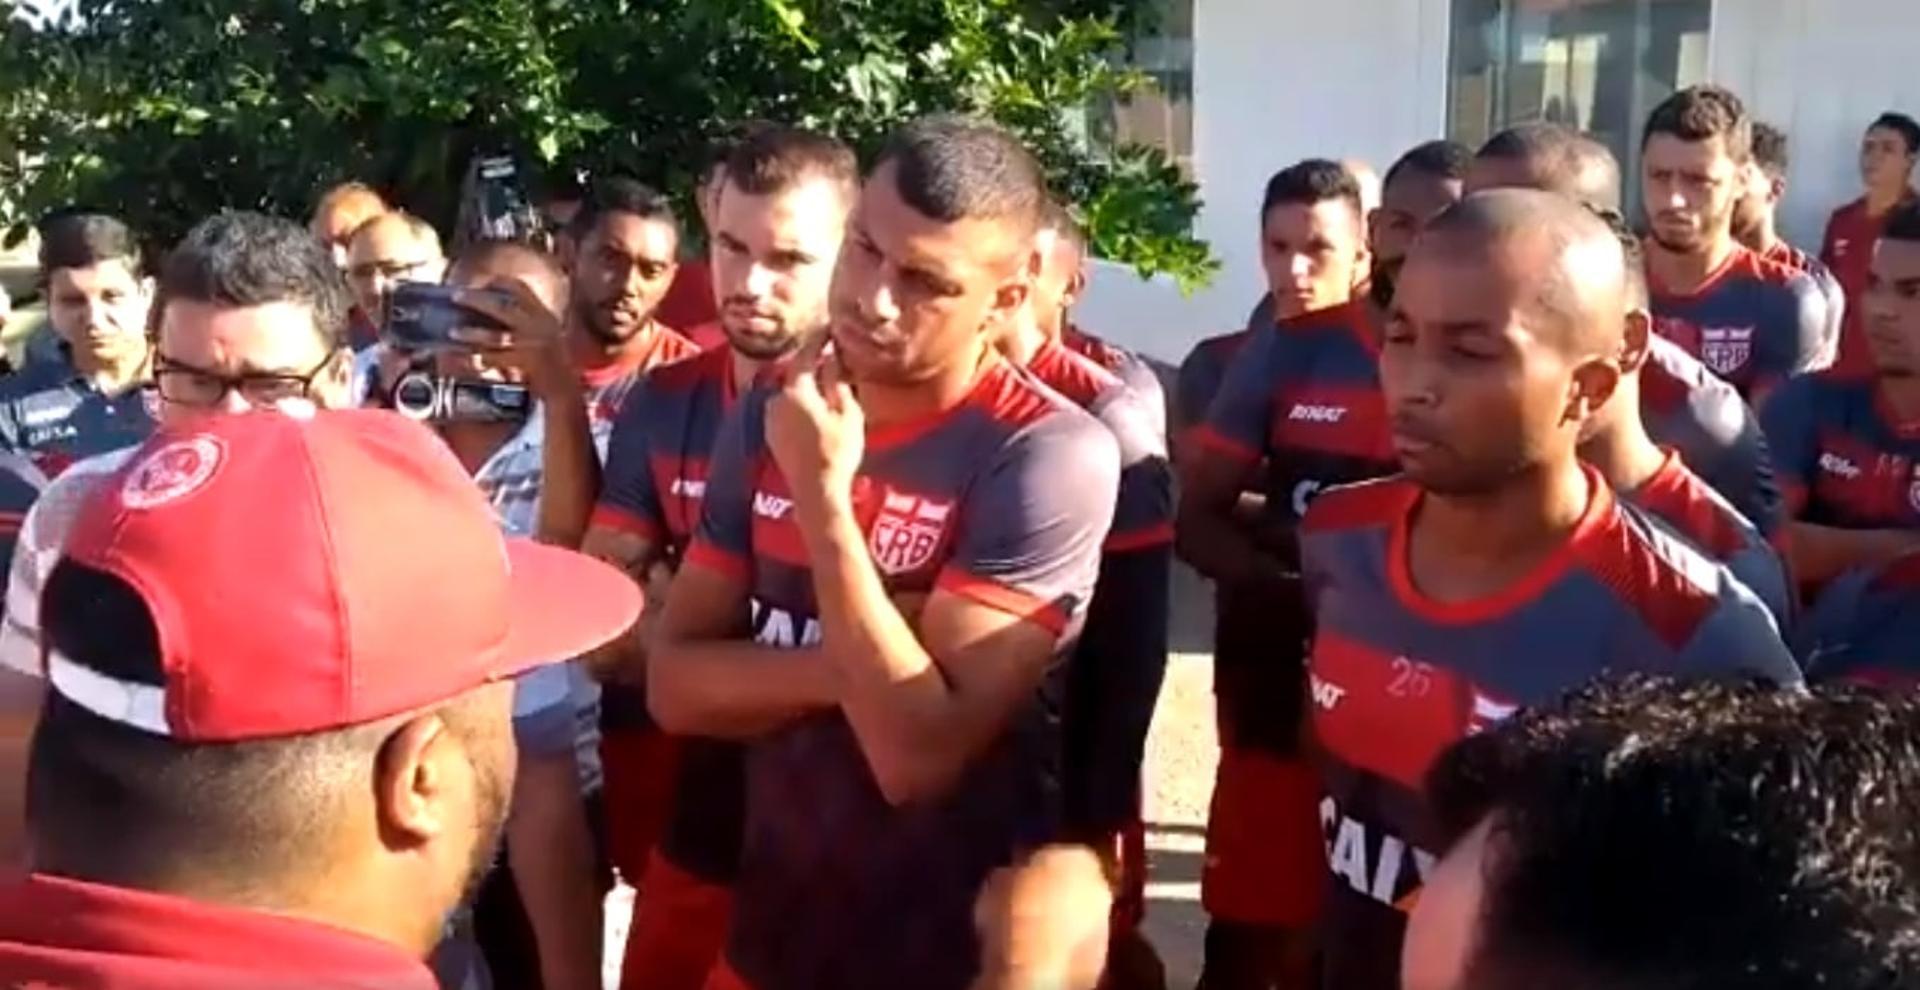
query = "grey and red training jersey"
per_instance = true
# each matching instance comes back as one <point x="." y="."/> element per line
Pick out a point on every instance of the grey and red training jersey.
<point x="1753" y="322"/>
<point x="1129" y="367"/>
<point x="1690" y="409"/>
<point x="1677" y="497"/>
<point x="1397" y="676"/>
<point x="1199" y="379"/>
<point x="1845" y="458"/>
<point x="1115" y="677"/>
<point x="1865" y="629"/>
<point x="1302" y="399"/>
<point x="1003" y="500"/>
<point x="656" y="480"/>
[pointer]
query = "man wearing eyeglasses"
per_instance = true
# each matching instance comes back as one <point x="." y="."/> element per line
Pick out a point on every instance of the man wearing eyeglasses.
<point x="253" y="315"/>
<point x="389" y="249"/>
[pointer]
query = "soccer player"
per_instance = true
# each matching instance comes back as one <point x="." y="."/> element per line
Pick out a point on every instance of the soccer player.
<point x="1887" y="156"/>
<point x="1753" y="322"/>
<point x="91" y="398"/>
<point x="776" y="229"/>
<point x="1497" y="570"/>
<point x="1422" y="183"/>
<point x="1647" y="833"/>
<point x="220" y="801"/>
<point x="342" y="210"/>
<point x="253" y="315"/>
<point x="1754" y="219"/>
<point x="391" y="248"/>
<point x="1683" y="406"/>
<point x="896" y="549"/>
<point x="1056" y="296"/>
<point x="1115" y="675"/>
<point x="1299" y="410"/>
<point x="1848" y="447"/>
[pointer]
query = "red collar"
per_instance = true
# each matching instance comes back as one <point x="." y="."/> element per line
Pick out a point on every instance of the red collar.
<point x="67" y="932"/>
<point x="1599" y="512"/>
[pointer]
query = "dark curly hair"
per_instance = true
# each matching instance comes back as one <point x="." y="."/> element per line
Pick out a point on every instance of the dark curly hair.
<point x="1658" y="834"/>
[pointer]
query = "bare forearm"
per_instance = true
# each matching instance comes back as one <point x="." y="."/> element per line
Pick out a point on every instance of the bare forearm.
<point x="895" y="697"/>
<point x="550" y="851"/>
<point x="570" y="472"/>
<point x="1821" y="553"/>
<point x="736" y="689"/>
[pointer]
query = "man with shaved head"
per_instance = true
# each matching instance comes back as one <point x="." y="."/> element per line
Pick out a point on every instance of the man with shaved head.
<point x="1551" y="157"/>
<point x="341" y="211"/>
<point x="1682" y="406"/>
<point x="1497" y="570"/>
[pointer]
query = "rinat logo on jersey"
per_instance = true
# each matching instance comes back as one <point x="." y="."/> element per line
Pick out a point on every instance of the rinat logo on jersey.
<point x="907" y="531"/>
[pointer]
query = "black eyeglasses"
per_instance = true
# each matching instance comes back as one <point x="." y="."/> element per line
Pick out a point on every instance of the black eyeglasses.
<point x="187" y="385"/>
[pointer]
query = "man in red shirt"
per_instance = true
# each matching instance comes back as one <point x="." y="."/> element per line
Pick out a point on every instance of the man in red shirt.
<point x="1754" y="323"/>
<point x="1887" y="156"/>
<point x="218" y="802"/>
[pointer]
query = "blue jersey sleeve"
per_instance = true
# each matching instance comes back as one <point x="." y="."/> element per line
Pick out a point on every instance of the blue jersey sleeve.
<point x="1793" y="438"/>
<point x="724" y="537"/>
<point x="629" y="500"/>
<point x="1741" y="639"/>
<point x="1805" y="338"/>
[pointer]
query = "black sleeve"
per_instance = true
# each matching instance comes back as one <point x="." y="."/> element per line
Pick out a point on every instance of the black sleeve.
<point x="1113" y="686"/>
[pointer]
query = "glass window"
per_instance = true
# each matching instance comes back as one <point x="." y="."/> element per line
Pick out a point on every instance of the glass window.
<point x="1159" y="115"/>
<point x="1598" y="65"/>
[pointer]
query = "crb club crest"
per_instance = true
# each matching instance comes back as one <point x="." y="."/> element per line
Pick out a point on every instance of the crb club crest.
<point x="1726" y="349"/>
<point x="172" y="472"/>
<point x="907" y="531"/>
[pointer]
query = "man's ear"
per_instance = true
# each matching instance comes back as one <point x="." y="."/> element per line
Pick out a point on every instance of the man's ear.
<point x="1594" y="383"/>
<point x="415" y="777"/>
<point x="1076" y="287"/>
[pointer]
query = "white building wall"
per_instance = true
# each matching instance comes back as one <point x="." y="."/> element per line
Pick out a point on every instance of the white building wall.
<point x="1279" y="80"/>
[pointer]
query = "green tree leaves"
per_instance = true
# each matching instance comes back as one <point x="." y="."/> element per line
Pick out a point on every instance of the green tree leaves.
<point x="167" y="110"/>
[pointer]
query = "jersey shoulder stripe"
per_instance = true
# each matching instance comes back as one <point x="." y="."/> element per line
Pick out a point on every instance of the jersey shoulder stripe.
<point x="1673" y="587"/>
<point x="1366" y="505"/>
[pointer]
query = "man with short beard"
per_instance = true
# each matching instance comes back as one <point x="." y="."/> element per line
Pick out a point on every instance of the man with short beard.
<point x="1753" y="322"/>
<point x="776" y="227"/>
<point x="299" y="802"/>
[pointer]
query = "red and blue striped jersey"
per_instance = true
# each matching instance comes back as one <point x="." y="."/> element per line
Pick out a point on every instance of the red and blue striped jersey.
<point x="1199" y="379"/>
<point x="1677" y="497"/>
<point x="1129" y="367"/>
<point x="1753" y="322"/>
<point x="657" y="456"/>
<point x="1845" y="458"/>
<point x="1003" y="499"/>
<point x="1397" y="677"/>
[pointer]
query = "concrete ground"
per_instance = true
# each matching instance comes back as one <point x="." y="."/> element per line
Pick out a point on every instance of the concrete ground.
<point x="1182" y="751"/>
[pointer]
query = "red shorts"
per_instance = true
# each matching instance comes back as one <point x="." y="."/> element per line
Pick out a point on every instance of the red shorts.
<point x="640" y="766"/>
<point x="679" y="929"/>
<point x="1266" y="859"/>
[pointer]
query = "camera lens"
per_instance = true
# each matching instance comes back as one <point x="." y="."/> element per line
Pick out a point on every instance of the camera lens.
<point x="416" y="396"/>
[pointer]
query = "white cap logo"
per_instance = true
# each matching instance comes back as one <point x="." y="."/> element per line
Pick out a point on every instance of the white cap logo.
<point x="172" y="472"/>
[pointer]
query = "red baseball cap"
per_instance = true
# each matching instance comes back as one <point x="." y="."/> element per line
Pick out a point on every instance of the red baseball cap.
<point x="307" y="573"/>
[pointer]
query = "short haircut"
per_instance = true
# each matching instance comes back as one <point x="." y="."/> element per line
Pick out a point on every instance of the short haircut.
<point x="82" y="240"/>
<point x="418" y="229"/>
<point x="1900" y="124"/>
<point x="773" y="159"/>
<point x="1562" y="160"/>
<point x="484" y="252"/>
<point x="1436" y="159"/>
<point x="1770" y="149"/>
<point x="1634" y="250"/>
<point x="1657" y="834"/>
<point x="241" y="259"/>
<point x="347" y="190"/>
<point x="1313" y="181"/>
<point x="1702" y="113"/>
<point x="1903" y="224"/>
<point x="619" y="194"/>
<point x="242" y="813"/>
<point x="1056" y="217"/>
<point x="953" y="168"/>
